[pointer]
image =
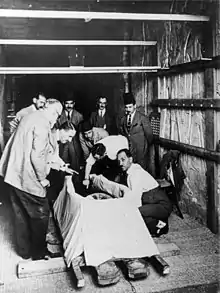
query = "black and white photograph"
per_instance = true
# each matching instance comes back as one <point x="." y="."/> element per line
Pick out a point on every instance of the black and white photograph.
<point x="109" y="146"/>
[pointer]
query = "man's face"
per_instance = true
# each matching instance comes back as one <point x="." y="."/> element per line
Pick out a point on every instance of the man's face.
<point x="69" y="105"/>
<point x="102" y="103"/>
<point x="124" y="161"/>
<point x="88" y="135"/>
<point x="39" y="102"/>
<point x="129" y="109"/>
<point x="66" y="135"/>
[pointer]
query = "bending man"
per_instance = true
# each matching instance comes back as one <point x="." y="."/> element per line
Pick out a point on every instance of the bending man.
<point x="25" y="164"/>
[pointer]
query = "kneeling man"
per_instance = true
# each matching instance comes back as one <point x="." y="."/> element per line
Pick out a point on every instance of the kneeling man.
<point x="155" y="205"/>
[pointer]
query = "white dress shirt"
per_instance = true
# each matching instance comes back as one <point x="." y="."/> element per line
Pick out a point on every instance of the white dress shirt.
<point x="140" y="181"/>
<point x="132" y="116"/>
<point x="101" y="112"/>
<point x="112" y="143"/>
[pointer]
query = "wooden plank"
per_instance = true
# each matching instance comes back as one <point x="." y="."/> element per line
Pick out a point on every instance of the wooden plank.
<point x="168" y="249"/>
<point x="88" y="15"/>
<point x="193" y="66"/>
<point x="188" y="149"/>
<point x="75" y="42"/>
<point x="193" y="104"/>
<point x="28" y="269"/>
<point x="210" y="143"/>
<point x="76" y="70"/>
<point x="80" y="281"/>
<point x="41" y="267"/>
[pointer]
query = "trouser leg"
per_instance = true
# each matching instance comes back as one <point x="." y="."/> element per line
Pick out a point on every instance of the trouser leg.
<point x="39" y="225"/>
<point x="36" y="211"/>
<point x="21" y="224"/>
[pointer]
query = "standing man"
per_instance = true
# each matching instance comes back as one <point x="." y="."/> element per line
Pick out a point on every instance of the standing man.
<point x="136" y="127"/>
<point x="71" y="151"/>
<point x="24" y="166"/>
<point x="39" y="102"/>
<point x="89" y="136"/>
<point x="101" y="118"/>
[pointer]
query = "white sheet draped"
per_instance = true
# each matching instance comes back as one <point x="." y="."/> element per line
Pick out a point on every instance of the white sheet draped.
<point x="102" y="229"/>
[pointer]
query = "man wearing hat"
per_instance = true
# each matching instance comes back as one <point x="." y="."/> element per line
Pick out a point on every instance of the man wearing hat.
<point x="89" y="136"/>
<point x="71" y="152"/>
<point x="136" y="127"/>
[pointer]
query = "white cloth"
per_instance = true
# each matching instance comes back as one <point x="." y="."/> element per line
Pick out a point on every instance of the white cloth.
<point x="112" y="143"/>
<point x="140" y="181"/>
<point x="102" y="229"/>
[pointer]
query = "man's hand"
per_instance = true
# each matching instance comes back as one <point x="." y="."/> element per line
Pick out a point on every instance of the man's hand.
<point x="86" y="183"/>
<point x="68" y="170"/>
<point x="45" y="183"/>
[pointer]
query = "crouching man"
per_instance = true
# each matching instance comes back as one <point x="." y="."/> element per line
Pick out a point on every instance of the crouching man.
<point x="155" y="205"/>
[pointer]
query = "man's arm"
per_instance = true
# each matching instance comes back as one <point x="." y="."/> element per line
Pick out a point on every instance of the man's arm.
<point x="84" y="146"/>
<point x="89" y="163"/>
<point x="39" y="152"/>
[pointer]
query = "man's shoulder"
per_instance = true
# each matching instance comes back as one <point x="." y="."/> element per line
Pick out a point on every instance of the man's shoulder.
<point x="25" y="111"/>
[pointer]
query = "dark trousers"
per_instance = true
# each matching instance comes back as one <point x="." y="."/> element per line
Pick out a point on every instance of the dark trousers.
<point x="31" y="215"/>
<point x="155" y="206"/>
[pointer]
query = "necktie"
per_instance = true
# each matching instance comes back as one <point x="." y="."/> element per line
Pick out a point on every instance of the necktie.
<point x="129" y="122"/>
<point x="101" y="113"/>
<point x="68" y="116"/>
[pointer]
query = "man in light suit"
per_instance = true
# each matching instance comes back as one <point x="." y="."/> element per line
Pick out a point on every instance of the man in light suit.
<point x="71" y="152"/>
<point x="24" y="165"/>
<point x="39" y="102"/>
<point x="136" y="127"/>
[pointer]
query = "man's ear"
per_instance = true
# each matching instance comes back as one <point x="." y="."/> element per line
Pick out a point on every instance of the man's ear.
<point x="131" y="160"/>
<point x="34" y="100"/>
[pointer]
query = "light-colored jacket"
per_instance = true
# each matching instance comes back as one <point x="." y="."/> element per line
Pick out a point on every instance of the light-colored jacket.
<point x="24" y="162"/>
<point x="23" y="112"/>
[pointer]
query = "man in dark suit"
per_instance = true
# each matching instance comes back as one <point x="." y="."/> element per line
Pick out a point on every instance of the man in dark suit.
<point x="136" y="127"/>
<point x="71" y="152"/>
<point x="101" y="118"/>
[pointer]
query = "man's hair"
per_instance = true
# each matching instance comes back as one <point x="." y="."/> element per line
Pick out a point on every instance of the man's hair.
<point x="67" y="126"/>
<point x="86" y="126"/>
<point x="126" y="151"/>
<point x="54" y="103"/>
<point x="70" y="96"/>
<point x="98" y="149"/>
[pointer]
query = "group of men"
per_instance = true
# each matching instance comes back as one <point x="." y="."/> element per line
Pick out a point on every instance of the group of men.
<point x="50" y="137"/>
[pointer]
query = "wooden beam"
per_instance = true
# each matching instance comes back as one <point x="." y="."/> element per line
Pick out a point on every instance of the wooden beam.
<point x="193" y="66"/>
<point x="55" y="14"/>
<point x="188" y="149"/>
<point x="76" y="70"/>
<point x="75" y="42"/>
<point x="193" y="104"/>
<point x="28" y="269"/>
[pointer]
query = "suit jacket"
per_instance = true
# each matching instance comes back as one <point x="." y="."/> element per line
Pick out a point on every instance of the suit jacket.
<point x="140" y="136"/>
<point x="99" y="122"/>
<point x="76" y="118"/>
<point x="24" y="162"/>
<point x="23" y="112"/>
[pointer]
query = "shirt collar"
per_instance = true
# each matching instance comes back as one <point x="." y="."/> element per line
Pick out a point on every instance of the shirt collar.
<point x="129" y="171"/>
